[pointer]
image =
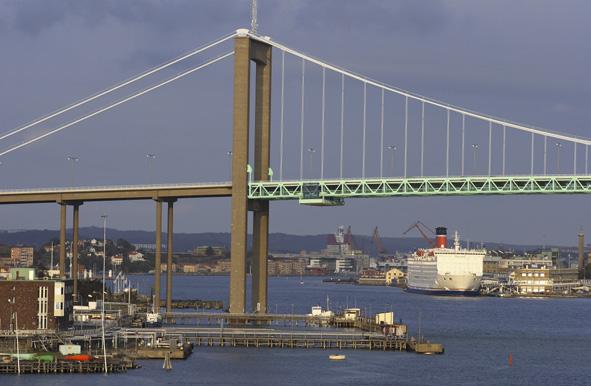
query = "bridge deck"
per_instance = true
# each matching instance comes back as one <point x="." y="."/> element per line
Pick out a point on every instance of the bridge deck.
<point x="115" y="193"/>
<point x="310" y="190"/>
<point x="419" y="186"/>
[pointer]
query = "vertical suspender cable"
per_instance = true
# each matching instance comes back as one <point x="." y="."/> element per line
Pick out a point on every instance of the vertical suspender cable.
<point x="302" y="121"/>
<point x="586" y="159"/>
<point x="342" y="122"/>
<point x="282" y="115"/>
<point x="422" y="138"/>
<point x="545" y="155"/>
<point x="322" y="128"/>
<point x="504" y="147"/>
<point x="531" y="169"/>
<point x="463" y="140"/>
<point x="489" y="147"/>
<point x="447" y="147"/>
<point x="575" y="159"/>
<point x="364" y="129"/>
<point x="382" y="137"/>
<point x="405" y="133"/>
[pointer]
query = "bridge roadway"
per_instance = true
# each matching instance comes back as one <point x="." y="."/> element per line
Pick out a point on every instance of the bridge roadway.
<point x="314" y="192"/>
<point x="327" y="192"/>
<point x="115" y="193"/>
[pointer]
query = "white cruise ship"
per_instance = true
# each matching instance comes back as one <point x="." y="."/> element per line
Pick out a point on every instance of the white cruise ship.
<point x="445" y="271"/>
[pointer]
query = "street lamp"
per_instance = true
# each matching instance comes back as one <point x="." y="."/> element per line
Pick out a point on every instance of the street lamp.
<point x="392" y="149"/>
<point x="73" y="160"/>
<point x="229" y="155"/>
<point x="558" y="146"/>
<point x="104" y="217"/>
<point x="150" y="157"/>
<point x="311" y="152"/>
<point x="474" y="151"/>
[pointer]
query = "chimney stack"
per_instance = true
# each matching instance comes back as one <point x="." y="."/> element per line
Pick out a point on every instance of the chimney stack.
<point x="441" y="237"/>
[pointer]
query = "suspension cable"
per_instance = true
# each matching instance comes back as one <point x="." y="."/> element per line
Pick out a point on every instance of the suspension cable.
<point x="447" y="146"/>
<point x="433" y="102"/>
<point x="586" y="159"/>
<point x="545" y="155"/>
<point x="489" y="148"/>
<point x="282" y="115"/>
<point x="575" y="159"/>
<point x="117" y="86"/>
<point x="405" y="133"/>
<point x="504" y="147"/>
<point x="342" y="124"/>
<point x="463" y="140"/>
<point x="364" y="129"/>
<point x="302" y="120"/>
<point x="531" y="171"/>
<point x="422" y="137"/>
<point x="120" y="102"/>
<point x="382" y="136"/>
<point x="322" y="126"/>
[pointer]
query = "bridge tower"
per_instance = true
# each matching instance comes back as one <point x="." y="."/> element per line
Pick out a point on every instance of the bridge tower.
<point x="245" y="51"/>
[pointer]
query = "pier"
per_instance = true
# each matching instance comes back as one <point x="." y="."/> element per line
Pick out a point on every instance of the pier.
<point x="273" y="338"/>
<point x="114" y="365"/>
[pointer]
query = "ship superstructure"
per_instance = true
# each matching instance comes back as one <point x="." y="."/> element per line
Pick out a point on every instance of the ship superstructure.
<point x="445" y="271"/>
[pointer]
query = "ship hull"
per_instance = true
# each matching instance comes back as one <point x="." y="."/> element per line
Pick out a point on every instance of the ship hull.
<point x="442" y="292"/>
<point x="449" y="272"/>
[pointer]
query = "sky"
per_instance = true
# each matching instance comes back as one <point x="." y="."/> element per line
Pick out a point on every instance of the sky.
<point x="526" y="61"/>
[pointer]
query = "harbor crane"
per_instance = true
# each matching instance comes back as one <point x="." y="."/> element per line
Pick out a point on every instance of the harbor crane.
<point x="377" y="240"/>
<point x="422" y="228"/>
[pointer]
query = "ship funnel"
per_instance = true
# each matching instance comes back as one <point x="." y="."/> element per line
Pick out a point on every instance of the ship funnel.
<point x="441" y="234"/>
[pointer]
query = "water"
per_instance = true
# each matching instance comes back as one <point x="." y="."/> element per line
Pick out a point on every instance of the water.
<point x="549" y="339"/>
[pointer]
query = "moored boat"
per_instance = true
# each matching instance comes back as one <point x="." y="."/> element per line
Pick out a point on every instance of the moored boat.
<point x="445" y="271"/>
<point x="79" y="358"/>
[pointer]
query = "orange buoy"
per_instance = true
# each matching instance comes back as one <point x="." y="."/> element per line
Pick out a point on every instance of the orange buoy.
<point x="510" y="359"/>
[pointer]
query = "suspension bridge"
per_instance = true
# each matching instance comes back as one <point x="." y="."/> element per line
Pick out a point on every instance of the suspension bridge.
<point x="371" y="140"/>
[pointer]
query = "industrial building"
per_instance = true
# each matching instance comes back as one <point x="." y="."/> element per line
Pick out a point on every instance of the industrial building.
<point x="39" y="305"/>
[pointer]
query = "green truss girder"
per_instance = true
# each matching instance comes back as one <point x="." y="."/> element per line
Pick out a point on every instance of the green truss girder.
<point x="419" y="186"/>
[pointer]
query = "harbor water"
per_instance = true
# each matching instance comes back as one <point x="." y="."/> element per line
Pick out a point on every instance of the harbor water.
<point x="549" y="341"/>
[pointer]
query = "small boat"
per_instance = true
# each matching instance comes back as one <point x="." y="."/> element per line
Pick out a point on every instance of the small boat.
<point x="337" y="357"/>
<point x="24" y="356"/>
<point x="45" y="357"/>
<point x="79" y="358"/>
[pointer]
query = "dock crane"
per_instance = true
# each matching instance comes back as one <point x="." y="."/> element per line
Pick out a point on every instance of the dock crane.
<point x="378" y="242"/>
<point x="422" y="228"/>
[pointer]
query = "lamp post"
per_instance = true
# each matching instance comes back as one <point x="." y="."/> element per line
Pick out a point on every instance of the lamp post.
<point x="229" y="155"/>
<point x="14" y="315"/>
<point x="150" y="157"/>
<point x="104" y="217"/>
<point x="558" y="146"/>
<point x="392" y="149"/>
<point x="474" y="151"/>
<point x="311" y="152"/>
<point x="73" y="160"/>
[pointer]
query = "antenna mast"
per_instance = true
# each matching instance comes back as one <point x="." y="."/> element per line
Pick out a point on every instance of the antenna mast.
<point x="253" y="17"/>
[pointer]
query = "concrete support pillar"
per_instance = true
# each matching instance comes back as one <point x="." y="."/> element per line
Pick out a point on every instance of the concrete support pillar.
<point x="260" y="247"/>
<point x="169" y="250"/>
<point x="239" y="174"/>
<point x="62" y="239"/>
<point x="75" y="228"/>
<point x="158" y="256"/>
<point x="262" y="139"/>
<point x="246" y="50"/>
